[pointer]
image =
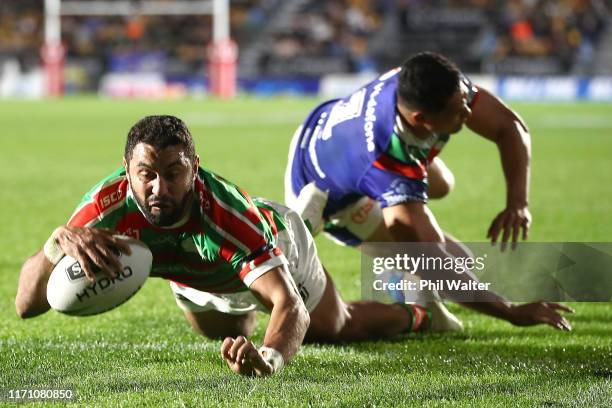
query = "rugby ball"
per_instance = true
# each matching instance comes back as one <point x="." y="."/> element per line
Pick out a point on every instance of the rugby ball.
<point x="70" y="292"/>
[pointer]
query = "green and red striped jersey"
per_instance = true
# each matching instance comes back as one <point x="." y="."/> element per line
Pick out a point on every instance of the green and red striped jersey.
<point x="228" y="241"/>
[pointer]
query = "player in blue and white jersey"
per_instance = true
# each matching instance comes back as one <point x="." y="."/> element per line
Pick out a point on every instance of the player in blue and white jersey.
<point x="362" y="168"/>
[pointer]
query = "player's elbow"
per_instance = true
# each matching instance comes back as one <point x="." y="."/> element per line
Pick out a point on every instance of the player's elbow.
<point x="26" y="307"/>
<point x="23" y="309"/>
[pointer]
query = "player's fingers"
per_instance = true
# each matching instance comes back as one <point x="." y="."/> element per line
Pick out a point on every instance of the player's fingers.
<point x="516" y="229"/>
<point x="559" y="322"/>
<point x="240" y="340"/>
<point x="550" y="321"/>
<point x="566" y="325"/>
<point x="225" y="347"/>
<point x="86" y="266"/>
<point x="101" y="262"/>
<point x="122" y="245"/>
<point x="560" y="306"/>
<point x="243" y="353"/>
<point x="110" y="259"/>
<point x="505" y="236"/>
<point x="494" y="229"/>
<point x="104" y="231"/>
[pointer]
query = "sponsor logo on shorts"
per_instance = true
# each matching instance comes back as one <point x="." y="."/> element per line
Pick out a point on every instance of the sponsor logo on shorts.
<point x="401" y="191"/>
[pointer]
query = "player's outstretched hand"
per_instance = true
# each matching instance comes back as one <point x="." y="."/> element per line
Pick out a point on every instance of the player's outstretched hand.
<point x="242" y="357"/>
<point x="509" y="223"/>
<point x="530" y="314"/>
<point x="93" y="249"/>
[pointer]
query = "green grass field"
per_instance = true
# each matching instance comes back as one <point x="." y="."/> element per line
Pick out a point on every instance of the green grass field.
<point x="144" y="354"/>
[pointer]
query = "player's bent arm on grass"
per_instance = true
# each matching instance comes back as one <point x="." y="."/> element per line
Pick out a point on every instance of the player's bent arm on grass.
<point x="91" y="247"/>
<point x="31" y="299"/>
<point x="495" y="121"/>
<point x="414" y="221"/>
<point x="286" y="329"/>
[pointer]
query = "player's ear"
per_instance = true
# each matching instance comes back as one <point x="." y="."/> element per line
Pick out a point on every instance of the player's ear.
<point x="418" y="118"/>
<point x="196" y="165"/>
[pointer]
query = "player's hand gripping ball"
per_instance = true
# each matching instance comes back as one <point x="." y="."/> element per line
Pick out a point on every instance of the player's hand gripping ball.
<point x="70" y="292"/>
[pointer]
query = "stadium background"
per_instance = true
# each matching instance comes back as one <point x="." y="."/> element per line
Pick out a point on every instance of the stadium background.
<point x="551" y="59"/>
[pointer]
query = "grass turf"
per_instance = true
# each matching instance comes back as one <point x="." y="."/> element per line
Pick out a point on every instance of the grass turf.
<point x="143" y="353"/>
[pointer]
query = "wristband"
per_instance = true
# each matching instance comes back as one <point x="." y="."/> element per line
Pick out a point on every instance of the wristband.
<point x="272" y="356"/>
<point x="52" y="250"/>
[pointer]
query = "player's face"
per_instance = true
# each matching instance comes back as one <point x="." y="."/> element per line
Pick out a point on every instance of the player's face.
<point x="451" y="119"/>
<point x="162" y="182"/>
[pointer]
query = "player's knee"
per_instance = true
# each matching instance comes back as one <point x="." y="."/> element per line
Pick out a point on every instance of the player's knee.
<point x="443" y="186"/>
<point x="327" y="325"/>
<point x="326" y="330"/>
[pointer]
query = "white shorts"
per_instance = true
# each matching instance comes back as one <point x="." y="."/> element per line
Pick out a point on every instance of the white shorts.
<point x="350" y="225"/>
<point x="304" y="266"/>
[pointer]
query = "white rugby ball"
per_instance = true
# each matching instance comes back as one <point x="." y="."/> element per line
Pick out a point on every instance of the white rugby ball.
<point x="70" y="292"/>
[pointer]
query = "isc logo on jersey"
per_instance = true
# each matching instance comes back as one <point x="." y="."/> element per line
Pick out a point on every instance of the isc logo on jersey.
<point x="110" y="199"/>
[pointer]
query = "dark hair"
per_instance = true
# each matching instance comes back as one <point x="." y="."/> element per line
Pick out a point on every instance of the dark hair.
<point x="427" y="81"/>
<point x="160" y="131"/>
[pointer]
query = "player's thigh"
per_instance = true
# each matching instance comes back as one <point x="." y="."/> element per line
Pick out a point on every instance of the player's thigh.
<point x="440" y="179"/>
<point x="218" y="325"/>
<point x="356" y="223"/>
<point x="328" y="318"/>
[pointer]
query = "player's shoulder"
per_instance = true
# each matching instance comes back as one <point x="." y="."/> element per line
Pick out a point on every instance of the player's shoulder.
<point x="104" y="197"/>
<point x="110" y="189"/>
<point x="217" y="192"/>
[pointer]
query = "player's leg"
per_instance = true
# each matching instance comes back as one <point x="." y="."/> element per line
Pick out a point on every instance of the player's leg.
<point x="213" y="316"/>
<point x="440" y="179"/>
<point x="363" y="222"/>
<point x="218" y="325"/>
<point x="333" y="320"/>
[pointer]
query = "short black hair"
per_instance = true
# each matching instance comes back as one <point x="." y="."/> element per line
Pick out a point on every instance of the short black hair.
<point x="427" y="81"/>
<point x="160" y="131"/>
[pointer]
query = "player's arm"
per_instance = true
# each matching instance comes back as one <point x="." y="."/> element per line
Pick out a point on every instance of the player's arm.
<point x="31" y="299"/>
<point x="413" y="221"/>
<point x="91" y="247"/>
<point x="288" y="323"/>
<point x="494" y="120"/>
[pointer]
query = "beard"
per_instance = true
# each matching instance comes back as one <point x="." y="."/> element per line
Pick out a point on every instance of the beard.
<point x="169" y="211"/>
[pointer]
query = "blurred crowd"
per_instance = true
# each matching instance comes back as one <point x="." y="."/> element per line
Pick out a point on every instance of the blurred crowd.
<point x="336" y="29"/>
<point x="318" y="30"/>
<point x="178" y="41"/>
<point x="565" y="29"/>
<point x="568" y="29"/>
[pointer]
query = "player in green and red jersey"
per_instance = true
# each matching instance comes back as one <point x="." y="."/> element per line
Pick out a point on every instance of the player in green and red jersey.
<point x="225" y="255"/>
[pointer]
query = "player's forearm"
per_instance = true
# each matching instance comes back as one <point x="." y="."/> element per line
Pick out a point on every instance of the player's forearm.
<point x="514" y="145"/>
<point x="287" y="327"/>
<point x="31" y="299"/>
